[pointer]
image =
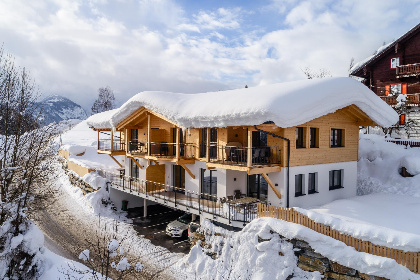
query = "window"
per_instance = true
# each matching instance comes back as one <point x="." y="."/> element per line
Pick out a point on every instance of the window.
<point x="299" y="185"/>
<point x="395" y="89"/>
<point x="336" y="177"/>
<point x="299" y="137"/>
<point x="312" y="183"/>
<point x="257" y="187"/>
<point x="134" y="134"/>
<point x="337" y="137"/>
<point x="313" y="137"/>
<point x="395" y="62"/>
<point x="135" y="171"/>
<point x="209" y="184"/>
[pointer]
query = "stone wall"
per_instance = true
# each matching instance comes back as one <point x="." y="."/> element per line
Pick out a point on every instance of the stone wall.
<point x="75" y="179"/>
<point x="309" y="260"/>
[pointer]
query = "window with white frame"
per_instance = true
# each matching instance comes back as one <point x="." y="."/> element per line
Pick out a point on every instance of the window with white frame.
<point x="395" y="89"/>
<point x="395" y="62"/>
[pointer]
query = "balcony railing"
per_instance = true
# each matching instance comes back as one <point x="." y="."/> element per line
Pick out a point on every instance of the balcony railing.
<point x="105" y="145"/>
<point x="408" y="70"/>
<point x="239" y="155"/>
<point x="412" y="99"/>
<point x="164" y="149"/>
<point x="233" y="210"/>
<point x="137" y="148"/>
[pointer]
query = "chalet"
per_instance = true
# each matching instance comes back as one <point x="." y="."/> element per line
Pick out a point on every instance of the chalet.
<point x="214" y="154"/>
<point x="395" y="69"/>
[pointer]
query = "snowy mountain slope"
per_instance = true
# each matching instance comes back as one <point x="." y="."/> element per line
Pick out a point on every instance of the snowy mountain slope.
<point x="56" y="108"/>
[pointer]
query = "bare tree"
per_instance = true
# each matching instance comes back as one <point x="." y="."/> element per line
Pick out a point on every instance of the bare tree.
<point x="105" y="101"/>
<point x="24" y="164"/>
<point x="107" y="257"/>
<point x="311" y="74"/>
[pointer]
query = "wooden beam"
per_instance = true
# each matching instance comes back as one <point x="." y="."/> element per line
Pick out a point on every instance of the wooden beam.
<point x="148" y="134"/>
<point x="136" y="162"/>
<point x="112" y="140"/>
<point x="249" y="155"/>
<point x="273" y="187"/>
<point x="188" y="170"/>
<point x="97" y="142"/>
<point x="177" y="143"/>
<point x="116" y="161"/>
<point x="127" y="142"/>
<point x="208" y="145"/>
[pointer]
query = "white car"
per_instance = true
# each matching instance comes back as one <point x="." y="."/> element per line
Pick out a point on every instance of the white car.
<point x="179" y="227"/>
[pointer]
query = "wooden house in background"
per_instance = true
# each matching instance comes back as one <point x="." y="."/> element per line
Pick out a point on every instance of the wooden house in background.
<point x="394" y="70"/>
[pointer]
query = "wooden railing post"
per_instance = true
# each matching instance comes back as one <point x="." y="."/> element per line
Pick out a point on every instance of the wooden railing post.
<point x="249" y="154"/>
<point x="148" y="135"/>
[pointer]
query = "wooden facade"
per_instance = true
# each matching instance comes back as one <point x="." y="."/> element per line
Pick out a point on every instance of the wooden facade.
<point x="158" y="139"/>
<point x="397" y="65"/>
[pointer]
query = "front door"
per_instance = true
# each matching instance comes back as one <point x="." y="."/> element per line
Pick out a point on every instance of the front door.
<point x="178" y="177"/>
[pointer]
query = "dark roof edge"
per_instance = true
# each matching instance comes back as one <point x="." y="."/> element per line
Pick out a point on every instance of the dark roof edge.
<point x="402" y="38"/>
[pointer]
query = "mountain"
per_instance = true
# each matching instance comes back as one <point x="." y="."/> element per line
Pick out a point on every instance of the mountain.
<point x="56" y="108"/>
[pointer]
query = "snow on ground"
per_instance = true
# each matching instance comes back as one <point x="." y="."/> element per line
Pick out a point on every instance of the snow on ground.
<point x="82" y="139"/>
<point x="241" y="256"/>
<point x="57" y="267"/>
<point x="379" y="165"/>
<point x="387" y="212"/>
<point x="90" y="208"/>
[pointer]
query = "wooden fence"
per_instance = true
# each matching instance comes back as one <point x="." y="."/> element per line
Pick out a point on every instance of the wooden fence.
<point x="411" y="143"/>
<point x="411" y="260"/>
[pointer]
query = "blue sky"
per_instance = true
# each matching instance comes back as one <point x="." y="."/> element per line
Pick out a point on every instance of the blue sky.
<point x="73" y="47"/>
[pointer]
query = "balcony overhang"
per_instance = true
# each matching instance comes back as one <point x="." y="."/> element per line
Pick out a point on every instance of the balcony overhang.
<point x="260" y="169"/>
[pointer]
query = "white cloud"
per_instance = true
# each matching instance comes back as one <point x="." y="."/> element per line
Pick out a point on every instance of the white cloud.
<point x="73" y="47"/>
<point x="220" y="19"/>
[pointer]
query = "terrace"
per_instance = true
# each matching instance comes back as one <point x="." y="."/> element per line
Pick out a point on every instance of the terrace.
<point x="232" y="211"/>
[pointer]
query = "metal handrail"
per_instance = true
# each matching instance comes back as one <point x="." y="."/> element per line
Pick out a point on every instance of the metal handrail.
<point x="203" y="202"/>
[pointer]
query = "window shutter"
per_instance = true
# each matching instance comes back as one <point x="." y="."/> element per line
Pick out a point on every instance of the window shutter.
<point x="387" y="89"/>
<point x="402" y="119"/>
<point x="404" y="88"/>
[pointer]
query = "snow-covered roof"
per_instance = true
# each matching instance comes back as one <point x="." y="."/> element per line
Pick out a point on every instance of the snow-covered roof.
<point x="286" y="104"/>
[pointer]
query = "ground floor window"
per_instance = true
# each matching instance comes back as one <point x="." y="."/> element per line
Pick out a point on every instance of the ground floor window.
<point x="336" y="179"/>
<point x="299" y="185"/>
<point x="178" y="177"/>
<point x="134" y="169"/>
<point x="312" y="183"/>
<point x="257" y="187"/>
<point x="208" y="183"/>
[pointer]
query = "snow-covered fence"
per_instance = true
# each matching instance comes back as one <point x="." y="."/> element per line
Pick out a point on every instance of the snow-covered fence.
<point x="411" y="260"/>
<point x="411" y="143"/>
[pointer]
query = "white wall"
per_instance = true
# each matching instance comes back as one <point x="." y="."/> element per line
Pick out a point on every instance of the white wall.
<point x="118" y="196"/>
<point x="239" y="184"/>
<point x="324" y="195"/>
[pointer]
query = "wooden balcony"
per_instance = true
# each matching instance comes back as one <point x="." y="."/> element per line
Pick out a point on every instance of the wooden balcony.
<point x="162" y="150"/>
<point x="107" y="146"/>
<point x="254" y="160"/>
<point x="408" y="70"/>
<point x="412" y="100"/>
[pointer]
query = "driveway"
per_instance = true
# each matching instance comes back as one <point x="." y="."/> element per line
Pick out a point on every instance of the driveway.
<point x="154" y="225"/>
